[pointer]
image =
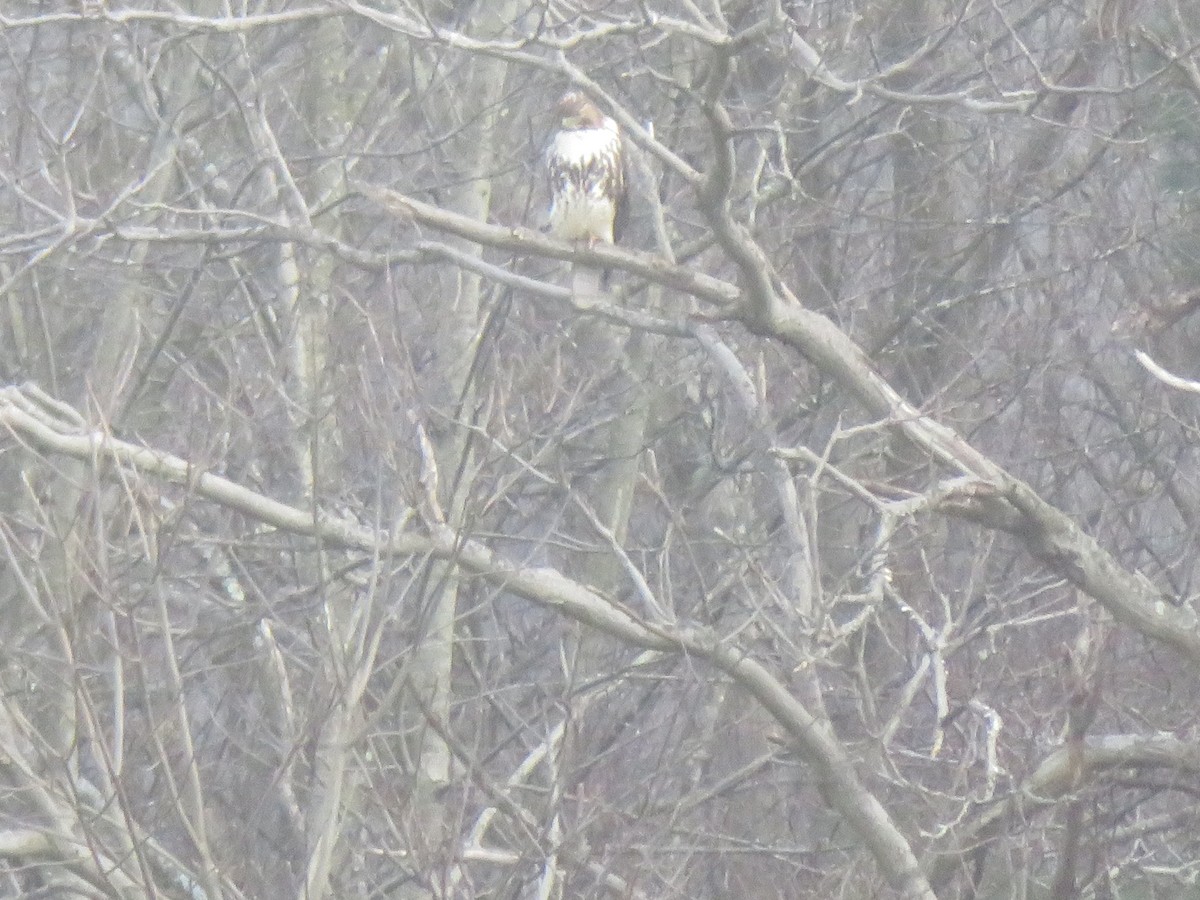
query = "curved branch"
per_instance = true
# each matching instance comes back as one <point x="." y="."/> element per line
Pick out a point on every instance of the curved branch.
<point x="1052" y="537"/>
<point x="813" y="740"/>
<point x="735" y="239"/>
<point x="1167" y="378"/>
<point x="1061" y="773"/>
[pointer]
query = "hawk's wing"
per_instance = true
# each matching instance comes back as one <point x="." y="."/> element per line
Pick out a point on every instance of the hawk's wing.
<point x="619" y="188"/>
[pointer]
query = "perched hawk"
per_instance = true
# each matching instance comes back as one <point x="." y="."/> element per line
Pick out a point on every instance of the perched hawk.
<point x="587" y="174"/>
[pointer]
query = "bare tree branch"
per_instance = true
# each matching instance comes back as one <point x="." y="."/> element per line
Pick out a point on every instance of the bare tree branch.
<point x="814" y="740"/>
<point x="1170" y="380"/>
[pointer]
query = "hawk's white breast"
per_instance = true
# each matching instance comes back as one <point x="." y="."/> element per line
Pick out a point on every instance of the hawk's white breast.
<point x="584" y="172"/>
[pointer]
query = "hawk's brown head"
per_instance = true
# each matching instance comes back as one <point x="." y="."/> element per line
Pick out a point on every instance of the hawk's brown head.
<point x="577" y="112"/>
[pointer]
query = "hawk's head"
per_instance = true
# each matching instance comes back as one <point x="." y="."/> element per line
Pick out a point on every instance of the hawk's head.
<point x="577" y="112"/>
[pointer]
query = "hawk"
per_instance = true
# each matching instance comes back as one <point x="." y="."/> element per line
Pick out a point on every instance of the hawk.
<point x="587" y="174"/>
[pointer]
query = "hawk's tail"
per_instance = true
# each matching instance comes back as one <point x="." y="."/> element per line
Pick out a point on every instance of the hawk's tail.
<point x="588" y="285"/>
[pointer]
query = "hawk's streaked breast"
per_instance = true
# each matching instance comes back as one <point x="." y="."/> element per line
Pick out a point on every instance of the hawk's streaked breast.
<point x="586" y="179"/>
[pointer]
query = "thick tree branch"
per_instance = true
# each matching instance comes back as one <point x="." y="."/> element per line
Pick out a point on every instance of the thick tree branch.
<point x="435" y="252"/>
<point x="524" y="240"/>
<point x="1060" y="773"/>
<point x="813" y="740"/>
<point x="1057" y="541"/>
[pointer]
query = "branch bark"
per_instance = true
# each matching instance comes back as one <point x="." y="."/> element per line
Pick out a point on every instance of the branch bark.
<point x="1061" y="772"/>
